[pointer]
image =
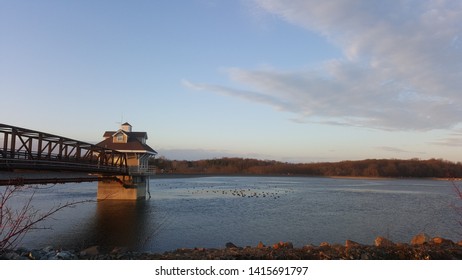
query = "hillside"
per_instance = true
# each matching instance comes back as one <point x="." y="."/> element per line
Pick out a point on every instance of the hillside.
<point x="431" y="168"/>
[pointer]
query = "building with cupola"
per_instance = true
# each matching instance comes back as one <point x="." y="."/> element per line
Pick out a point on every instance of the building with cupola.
<point x="133" y="145"/>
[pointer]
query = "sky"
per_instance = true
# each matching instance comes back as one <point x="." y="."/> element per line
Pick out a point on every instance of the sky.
<point x="296" y="81"/>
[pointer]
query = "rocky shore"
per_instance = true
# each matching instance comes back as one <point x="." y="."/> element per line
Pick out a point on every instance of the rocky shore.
<point x="421" y="247"/>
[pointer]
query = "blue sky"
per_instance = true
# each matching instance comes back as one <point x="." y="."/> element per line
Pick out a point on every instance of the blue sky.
<point x="297" y="81"/>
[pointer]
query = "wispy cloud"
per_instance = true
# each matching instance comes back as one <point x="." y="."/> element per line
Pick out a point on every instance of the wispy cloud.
<point x="453" y="140"/>
<point x="198" y="154"/>
<point x="402" y="65"/>
<point x="193" y="154"/>
<point x="245" y="94"/>
<point x="391" y="149"/>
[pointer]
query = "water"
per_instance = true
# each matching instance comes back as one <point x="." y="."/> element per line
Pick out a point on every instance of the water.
<point x="211" y="211"/>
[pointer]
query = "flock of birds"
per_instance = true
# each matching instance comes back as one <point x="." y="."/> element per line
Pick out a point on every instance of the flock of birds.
<point x="241" y="193"/>
<point x="247" y="192"/>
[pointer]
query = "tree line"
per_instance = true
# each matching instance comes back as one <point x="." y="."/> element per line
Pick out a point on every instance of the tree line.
<point x="436" y="168"/>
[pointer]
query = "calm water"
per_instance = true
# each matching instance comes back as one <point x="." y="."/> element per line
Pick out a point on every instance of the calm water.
<point x="211" y="211"/>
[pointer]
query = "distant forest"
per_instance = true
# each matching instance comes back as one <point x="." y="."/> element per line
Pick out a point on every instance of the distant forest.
<point x="436" y="168"/>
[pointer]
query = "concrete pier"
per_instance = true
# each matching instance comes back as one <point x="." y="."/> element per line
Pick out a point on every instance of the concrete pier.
<point x="125" y="188"/>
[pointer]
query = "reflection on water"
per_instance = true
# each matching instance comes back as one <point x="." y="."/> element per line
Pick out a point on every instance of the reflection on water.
<point x="118" y="223"/>
<point x="209" y="212"/>
<point x="108" y="224"/>
<point x="127" y="224"/>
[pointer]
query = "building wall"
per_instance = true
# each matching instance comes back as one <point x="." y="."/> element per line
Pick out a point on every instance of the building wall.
<point x="126" y="127"/>
<point x="134" y="189"/>
<point x="132" y="160"/>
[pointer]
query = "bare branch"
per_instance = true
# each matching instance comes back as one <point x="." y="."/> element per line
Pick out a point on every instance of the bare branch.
<point x="16" y="223"/>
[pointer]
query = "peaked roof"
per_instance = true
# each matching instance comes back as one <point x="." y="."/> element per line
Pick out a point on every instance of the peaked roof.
<point x="129" y="134"/>
<point x="132" y="145"/>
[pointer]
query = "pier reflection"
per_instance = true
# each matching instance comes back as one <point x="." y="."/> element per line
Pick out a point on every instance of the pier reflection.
<point x="118" y="224"/>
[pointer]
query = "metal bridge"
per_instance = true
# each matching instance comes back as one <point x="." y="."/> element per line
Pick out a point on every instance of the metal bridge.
<point x="25" y="149"/>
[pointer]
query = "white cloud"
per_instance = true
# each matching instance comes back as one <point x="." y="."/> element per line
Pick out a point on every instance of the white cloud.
<point x="402" y="68"/>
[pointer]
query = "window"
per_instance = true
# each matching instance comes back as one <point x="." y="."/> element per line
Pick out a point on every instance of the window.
<point x="120" y="137"/>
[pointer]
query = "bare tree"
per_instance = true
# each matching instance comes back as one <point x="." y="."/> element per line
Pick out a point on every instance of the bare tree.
<point x="16" y="221"/>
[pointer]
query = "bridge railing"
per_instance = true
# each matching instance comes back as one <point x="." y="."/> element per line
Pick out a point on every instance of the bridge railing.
<point x="25" y="148"/>
<point x="142" y="170"/>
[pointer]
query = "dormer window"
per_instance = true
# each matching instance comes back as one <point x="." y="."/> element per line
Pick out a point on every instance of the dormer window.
<point x="119" y="138"/>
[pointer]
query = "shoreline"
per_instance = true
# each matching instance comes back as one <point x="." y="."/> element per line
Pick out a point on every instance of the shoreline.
<point x="201" y="175"/>
<point x="421" y="247"/>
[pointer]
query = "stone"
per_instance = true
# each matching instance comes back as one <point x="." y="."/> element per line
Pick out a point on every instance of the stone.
<point x="230" y="245"/>
<point x="48" y="249"/>
<point x="123" y="250"/>
<point x="260" y="245"/>
<point x="324" y="244"/>
<point x="420" y="239"/>
<point x="65" y="255"/>
<point x="90" y="251"/>
<point x="349" y="244"/>
<point x="381" y="241"/>
<point x="459" y="243"/>
<point x="281" y="245"/>
<point x="441" y="241"/>
<point x="10" y="256"/>
<point x="278" y="245"/>
<point x="36" y="254"/>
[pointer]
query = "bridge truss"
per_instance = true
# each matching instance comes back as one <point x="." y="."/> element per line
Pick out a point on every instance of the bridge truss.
<point x="34" y="150"/>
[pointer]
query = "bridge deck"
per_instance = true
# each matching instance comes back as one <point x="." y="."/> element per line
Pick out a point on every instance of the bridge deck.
<point x="48" y="177"/>
<point x="34" y="150"/>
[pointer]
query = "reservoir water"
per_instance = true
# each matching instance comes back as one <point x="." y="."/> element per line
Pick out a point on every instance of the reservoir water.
<point x="211" y="211"/>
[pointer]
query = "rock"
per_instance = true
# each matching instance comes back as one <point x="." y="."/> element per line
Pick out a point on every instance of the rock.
<point x="230" y="245"/>
<point x="48" y="249"/>
<point x="420" y="239"/>
<point x="349" y="244"/>
<point x="324" y="256"/>
<point x="383" y="242"/>
<point x="324" y="244"/>
<point x="21" y="250"/>
<point x="65" y="255"/>
<point x="122" y="250"/>
<point x="441" y="241"/>
<point x="10" y="256"/>
<point x="260" y="245"/>
<point x="49" y="256"/>
<point x="37" y="254"/>
<point x="459" y="243"/>
<point x="281" y="245"/>
<point x="90" y="251"/>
